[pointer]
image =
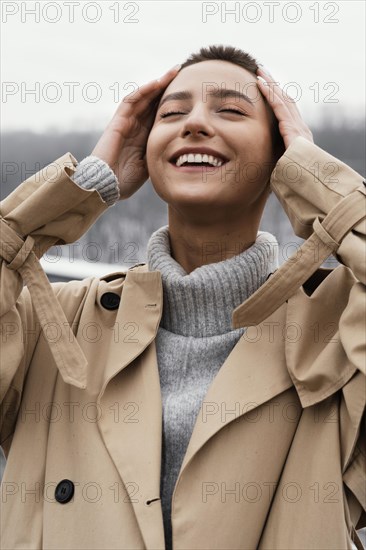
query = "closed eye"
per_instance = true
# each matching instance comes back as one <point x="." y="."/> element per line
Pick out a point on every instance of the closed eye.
<point x="232" y="111"/>
<point x="163" y="115"/>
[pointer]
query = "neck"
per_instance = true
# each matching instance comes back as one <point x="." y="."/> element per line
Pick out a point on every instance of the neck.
<point x="194" y="244"/>
<point x="201" y="303"/>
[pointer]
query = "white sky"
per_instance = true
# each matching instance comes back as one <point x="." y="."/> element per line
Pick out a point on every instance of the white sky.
<point x="323" y="58"/>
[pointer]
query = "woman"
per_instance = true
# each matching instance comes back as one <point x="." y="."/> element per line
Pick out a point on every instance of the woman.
<point x="210" y="399"/>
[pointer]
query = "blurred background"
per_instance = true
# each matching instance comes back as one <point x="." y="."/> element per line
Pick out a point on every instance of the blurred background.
<point x="67" y="65"/>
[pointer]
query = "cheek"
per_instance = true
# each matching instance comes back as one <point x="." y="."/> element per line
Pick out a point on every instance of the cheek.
<point x="255" y="165"/>
<point x="258" y="149"/>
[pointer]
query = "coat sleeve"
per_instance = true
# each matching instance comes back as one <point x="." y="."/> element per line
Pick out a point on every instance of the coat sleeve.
<point x="310" y="183"/>
<point x="47" y="209"/>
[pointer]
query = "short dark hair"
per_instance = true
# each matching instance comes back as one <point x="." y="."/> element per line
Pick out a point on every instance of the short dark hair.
<point x="246" y="61"/>
<point x="223" y="53"/>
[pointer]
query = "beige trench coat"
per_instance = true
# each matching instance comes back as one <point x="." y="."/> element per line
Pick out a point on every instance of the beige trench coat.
<point x="277" y="456"/>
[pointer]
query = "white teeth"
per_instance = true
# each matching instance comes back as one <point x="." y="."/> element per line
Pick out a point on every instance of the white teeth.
<point x="197" y="157"/>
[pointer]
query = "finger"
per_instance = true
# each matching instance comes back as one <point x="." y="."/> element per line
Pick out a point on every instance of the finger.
<point x="290" y="125"/>
<point x="141" y="104"/>
<point x="173" y="71"/>
<point x="153" y="88"/>
<point x="272" y="91"/>
<point x="262" y="69"/>
<point x="280" y="109"/>
<point x="146" y="97"/>
<point x="289" y="100"/>
<point x="276" y="86"/>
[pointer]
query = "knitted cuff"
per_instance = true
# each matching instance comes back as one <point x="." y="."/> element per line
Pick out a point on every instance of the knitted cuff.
<point x="94" y="173"/>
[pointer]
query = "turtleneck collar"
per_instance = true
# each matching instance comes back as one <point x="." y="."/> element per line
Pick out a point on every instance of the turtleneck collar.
<point x="201" y="303"/>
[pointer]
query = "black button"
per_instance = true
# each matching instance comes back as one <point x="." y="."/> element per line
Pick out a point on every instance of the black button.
<point x="64" y="491"/>
<point x="110" y="300"/>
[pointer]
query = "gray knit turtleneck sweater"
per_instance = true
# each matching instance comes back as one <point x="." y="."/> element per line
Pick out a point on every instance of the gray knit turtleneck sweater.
<point x="195" y="335"/>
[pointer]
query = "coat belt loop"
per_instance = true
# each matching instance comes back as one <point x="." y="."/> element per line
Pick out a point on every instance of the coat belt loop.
<point x="324" y="236"/>
<point x="22" y="254"/>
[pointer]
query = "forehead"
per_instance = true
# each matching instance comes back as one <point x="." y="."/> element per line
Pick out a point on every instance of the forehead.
<point x="202" y="77"/>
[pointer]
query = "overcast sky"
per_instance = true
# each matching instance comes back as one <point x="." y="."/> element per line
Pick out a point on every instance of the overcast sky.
<point x="98" y="48"/>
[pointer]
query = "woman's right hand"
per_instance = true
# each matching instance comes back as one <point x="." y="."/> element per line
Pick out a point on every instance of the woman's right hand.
<point x="123" y="143"/>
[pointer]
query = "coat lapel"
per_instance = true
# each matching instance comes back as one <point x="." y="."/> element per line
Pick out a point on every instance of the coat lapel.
<point x="130" y="401"/>
<point x="253" y="373"/>
<point x="137" y="320"/>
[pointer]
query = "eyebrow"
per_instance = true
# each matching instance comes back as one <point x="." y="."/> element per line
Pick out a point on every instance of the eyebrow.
<point x="221" y="94"/>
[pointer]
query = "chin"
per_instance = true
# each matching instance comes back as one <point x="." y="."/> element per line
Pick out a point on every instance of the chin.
<point x="191" y="189"/>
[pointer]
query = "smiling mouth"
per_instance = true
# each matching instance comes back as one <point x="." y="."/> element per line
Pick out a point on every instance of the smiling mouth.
<point x="198" y="160"/>
<point x="197" y="166"/>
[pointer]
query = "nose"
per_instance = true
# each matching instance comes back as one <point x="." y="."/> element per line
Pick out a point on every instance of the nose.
<point x="197" y="122"/>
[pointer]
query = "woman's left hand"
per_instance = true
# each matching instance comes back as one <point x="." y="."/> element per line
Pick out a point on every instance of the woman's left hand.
<point x="290" y="123"/>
